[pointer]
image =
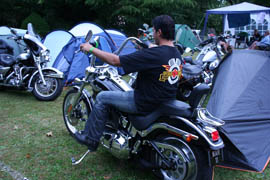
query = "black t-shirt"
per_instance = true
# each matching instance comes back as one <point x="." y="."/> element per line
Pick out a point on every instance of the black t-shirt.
<point x="159" y="70"/>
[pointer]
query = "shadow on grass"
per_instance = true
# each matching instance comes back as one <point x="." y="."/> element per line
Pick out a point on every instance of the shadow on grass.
<point x="5" y="175"/>
<point x="16" y="93"/>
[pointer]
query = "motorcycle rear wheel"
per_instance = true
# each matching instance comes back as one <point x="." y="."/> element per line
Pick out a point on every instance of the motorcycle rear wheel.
<point x="75" y="119"/>
<point x="48" y="92"/>
<point x="190" y="161"/>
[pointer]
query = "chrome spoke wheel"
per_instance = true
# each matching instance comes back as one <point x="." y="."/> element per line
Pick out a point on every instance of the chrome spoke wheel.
<point x="46" y="90"/>
<point x="75" y="117"/>
<point x="180" y="155"/>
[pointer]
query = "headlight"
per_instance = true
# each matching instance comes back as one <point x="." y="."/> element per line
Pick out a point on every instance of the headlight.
<point x="45" y="55"/>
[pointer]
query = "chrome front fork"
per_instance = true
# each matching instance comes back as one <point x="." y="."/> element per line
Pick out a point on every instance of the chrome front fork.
<point x="75" y="100"/>
<point x="40" y="70"/>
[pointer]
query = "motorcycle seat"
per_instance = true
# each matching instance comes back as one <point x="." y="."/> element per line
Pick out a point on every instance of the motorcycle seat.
<point x="192" y="69"/>
<point x="169" y="108"/>
<point x="7" y="60"/>
<point x="189" y="60"/>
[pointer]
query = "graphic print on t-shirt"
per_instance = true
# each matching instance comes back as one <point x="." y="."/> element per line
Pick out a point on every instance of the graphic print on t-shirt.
<point x="173" y="71"/>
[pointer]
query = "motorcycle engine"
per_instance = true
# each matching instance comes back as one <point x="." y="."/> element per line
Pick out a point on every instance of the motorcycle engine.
<point x="117" y="143"/>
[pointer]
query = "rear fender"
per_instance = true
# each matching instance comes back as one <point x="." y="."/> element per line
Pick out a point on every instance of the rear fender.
<point x="202" y="134"/>
<point x="182" y="132"/>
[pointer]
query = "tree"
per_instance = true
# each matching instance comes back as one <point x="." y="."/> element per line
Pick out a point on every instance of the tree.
<point x="130" y="15"/>
<point x="123" y="15"/>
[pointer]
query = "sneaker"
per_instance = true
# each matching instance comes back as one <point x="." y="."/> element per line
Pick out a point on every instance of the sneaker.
<point x="83" y="139"/>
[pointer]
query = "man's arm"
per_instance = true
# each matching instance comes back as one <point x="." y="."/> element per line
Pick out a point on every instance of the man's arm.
<point x="109" y="58"/>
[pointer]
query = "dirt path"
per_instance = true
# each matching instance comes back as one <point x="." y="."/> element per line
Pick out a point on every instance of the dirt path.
<point x="15" y="175"/>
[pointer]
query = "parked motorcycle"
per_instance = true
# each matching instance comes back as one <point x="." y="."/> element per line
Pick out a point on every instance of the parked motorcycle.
<point x="202" y="69"/>
<point x="28" y="70"/>
<point x="209" y="57"/>
<point x="177" y="141"/>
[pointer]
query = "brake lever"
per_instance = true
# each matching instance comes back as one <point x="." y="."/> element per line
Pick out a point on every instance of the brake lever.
<point x="77" y="51"/>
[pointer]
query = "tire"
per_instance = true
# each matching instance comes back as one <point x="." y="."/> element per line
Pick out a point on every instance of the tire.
<point x="190" y="162"/>
<point x="75" y="120"/>
<point x="205" y="172"/>
<point x="49" y="92"/>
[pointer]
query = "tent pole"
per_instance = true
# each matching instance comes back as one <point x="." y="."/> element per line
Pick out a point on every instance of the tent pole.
<point x="223" y="20"/>
<point x="204" y="27"/>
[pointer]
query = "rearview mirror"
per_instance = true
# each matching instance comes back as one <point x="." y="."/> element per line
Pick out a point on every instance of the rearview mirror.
<point x="88" y="36"/>
<point x="146" y="26"/>
<point x="30" y="29"/>
<point x="187" y="50"/>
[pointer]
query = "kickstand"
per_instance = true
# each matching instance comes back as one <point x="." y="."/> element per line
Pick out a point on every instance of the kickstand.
<point x="74" y="162"/>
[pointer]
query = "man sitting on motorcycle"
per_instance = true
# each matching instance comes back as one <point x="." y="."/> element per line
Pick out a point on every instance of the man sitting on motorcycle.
<point x="159" y="69"/>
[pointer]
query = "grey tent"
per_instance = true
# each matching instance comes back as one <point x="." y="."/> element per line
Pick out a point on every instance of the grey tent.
<point x="241" y="97"/>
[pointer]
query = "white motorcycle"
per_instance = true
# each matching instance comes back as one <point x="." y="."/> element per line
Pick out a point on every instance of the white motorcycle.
<point x="28" y="70"/>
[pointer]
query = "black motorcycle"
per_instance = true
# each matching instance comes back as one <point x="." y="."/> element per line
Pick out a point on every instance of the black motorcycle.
<point x="28" y="70"/>
<point x="177" y="141"/>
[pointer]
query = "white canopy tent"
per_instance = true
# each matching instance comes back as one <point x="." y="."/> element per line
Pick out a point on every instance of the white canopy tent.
<point x="254" y="10"/>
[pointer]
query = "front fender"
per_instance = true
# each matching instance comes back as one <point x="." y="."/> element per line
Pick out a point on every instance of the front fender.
<point x="87" y="95"/>
<point x="55" y="74"/>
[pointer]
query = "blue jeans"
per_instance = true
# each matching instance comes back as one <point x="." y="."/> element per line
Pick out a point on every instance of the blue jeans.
<point x="123" y="101"/>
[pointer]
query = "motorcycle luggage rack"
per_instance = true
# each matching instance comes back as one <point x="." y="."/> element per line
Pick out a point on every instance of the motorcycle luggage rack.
<point x="205" y="116"/>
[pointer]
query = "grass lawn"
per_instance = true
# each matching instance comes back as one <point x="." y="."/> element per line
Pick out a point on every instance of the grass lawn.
<point x="26" y="148"/>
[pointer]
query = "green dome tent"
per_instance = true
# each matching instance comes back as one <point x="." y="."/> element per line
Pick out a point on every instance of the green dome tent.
<point x="185" y="36"/>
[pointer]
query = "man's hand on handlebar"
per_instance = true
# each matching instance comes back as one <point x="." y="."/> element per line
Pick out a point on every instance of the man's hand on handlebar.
<point x="85" y="47"/>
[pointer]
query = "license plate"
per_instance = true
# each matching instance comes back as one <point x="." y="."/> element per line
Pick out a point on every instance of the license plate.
<point x="215" y="153"/>
<point x="216" y="156"/>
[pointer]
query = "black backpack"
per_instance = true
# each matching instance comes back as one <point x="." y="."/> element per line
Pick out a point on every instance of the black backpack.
<point x="5" y="48"/>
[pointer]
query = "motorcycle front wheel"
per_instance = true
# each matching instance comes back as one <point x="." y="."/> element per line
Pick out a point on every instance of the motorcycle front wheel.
<point x="76" y="117"/>
<point x="48" y="92"/>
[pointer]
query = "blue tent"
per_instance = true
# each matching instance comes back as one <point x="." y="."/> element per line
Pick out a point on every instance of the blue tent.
<point x="73" y="64"/>
<point x="55" y="41"/>
<point x="242" y="11"/>
<point x="118" y="38"/>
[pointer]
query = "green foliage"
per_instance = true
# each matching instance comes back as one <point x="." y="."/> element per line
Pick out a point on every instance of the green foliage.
<point x="124" y="15"/>
<point x="130" y="15"/>
<point x="243" y="34"/>
<point x="39" y="23"/>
